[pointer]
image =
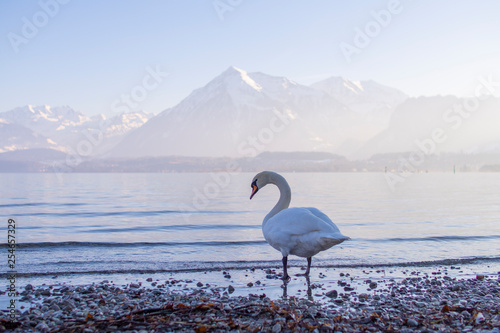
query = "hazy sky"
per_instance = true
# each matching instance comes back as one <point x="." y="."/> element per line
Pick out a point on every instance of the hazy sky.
<point x="93" y="55"/>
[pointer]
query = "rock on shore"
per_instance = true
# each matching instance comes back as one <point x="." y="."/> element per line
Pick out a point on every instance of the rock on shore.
<point x="420" y="304"/>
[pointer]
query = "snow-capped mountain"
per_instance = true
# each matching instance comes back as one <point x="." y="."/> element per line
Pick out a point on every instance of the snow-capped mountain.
<point x="63" y="128"/>
<point x="44" y="119"/>
<point x="242" y="114"/>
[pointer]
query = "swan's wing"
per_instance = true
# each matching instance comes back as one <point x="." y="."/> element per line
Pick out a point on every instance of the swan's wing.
<point x="299" y="221"/>
<point x="322" y="216"/>
<point x="302" y="231"/>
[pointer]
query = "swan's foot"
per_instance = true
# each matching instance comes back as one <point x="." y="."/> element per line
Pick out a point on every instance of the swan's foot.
<point x="286" y="277"/>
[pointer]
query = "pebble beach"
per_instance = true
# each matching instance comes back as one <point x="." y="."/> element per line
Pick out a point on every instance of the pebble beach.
<point x="330" y="301"/>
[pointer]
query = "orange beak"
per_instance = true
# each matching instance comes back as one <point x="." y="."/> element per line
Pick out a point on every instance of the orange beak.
<point x="254" y="190"/>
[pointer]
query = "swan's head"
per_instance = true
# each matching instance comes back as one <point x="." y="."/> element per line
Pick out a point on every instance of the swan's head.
<point x="260" y="180"/>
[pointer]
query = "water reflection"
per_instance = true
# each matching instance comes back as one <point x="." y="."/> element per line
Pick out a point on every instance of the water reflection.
<point x="284" y="286"/>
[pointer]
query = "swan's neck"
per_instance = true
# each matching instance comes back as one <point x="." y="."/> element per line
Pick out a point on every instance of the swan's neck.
<point x="285" y="196"/>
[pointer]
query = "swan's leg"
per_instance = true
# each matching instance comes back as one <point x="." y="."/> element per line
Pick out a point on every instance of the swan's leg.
<point x="309" y="259"/>
<point x="306" y="273"/>
<point x="285" y="273"/>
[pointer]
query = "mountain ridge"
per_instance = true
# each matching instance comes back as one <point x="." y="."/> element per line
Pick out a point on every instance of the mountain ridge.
<point x="237" y="109"/>
<point x="241" y="114"/>
<point x="61" y="127"/>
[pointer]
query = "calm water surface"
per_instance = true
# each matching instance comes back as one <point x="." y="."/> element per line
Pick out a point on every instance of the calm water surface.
<point x="107" y="223"/>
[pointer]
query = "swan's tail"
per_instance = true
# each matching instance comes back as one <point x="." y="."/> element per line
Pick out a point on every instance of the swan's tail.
<point x="329" y="241"/>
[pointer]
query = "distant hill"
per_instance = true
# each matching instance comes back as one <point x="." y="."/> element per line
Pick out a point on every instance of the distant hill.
<point x="278" y="161"/>
<point x="52" y="161"/>
<point x="460" y="128"/>
<point x="490" y="168"/>
<point x="31" y="160"/>
<point x="15" y="137"/>
<point x="299" y="155"/>
<point x="33" y="155"/>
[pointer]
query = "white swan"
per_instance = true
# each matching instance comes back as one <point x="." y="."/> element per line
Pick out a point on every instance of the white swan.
<point x="299" y="231"/>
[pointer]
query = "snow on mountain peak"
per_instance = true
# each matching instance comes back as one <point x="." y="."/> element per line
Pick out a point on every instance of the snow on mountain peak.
<point x="233" y="73"/>
<point x="355" y="86"/>
<point x="338" y="86"/>
<point x="250" y="82"/>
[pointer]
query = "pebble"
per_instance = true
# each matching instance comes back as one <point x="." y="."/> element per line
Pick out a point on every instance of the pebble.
<point x="363" y="297"/>
<point x="479" y="318"/>
<point x="332" y="294"/>
<point x="45" y="292"/>
<point x="412" y="322"/>
<point x="42" y="327"/>
<point x="437" y="304"/>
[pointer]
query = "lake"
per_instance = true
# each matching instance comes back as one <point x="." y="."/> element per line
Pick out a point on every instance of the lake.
<point x="122" y="223"/>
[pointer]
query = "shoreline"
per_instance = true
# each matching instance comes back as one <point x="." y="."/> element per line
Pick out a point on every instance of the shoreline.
<point x="399" y="298"/>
